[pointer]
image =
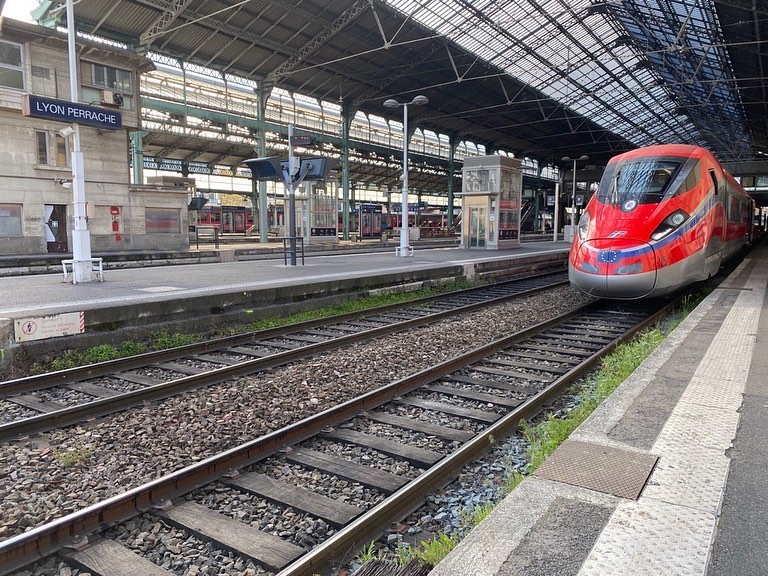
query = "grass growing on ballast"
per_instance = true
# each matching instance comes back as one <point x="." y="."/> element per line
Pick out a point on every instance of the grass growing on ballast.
<point x="547" y="435"/>
<point x="356" y="305"/>
<point x="614" y="369"/>
<point x="105" y="352"/>
<point x="163" y="341"/>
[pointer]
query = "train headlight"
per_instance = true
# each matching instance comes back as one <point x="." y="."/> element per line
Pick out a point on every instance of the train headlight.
<point x="583" y="225"/>
<point x="635" y="268"/>
<point x="670" y="224"/>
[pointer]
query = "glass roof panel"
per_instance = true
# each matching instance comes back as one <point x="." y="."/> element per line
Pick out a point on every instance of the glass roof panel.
<point x="651" y="71"/>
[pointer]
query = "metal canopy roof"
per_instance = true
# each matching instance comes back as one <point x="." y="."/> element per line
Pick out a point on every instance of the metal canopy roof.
<point x="539" y="78"/>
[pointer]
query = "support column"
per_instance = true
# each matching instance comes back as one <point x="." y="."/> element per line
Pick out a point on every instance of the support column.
<point x="82" y="266"/>
<point x="260" y="190"/>
<point x="137" y="155"/>
<point x="451" y="170"/>
<point x="346" y="121"/>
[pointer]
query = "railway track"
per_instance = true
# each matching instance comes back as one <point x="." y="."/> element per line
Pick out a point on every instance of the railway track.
<point x="437" y="421"/>
<point x="37" y="403"/>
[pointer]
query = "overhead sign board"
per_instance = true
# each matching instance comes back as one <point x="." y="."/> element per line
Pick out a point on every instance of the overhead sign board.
<point x="303" y="140"/>
<point x="272" y="168"/>
<point x="65" y="111"/>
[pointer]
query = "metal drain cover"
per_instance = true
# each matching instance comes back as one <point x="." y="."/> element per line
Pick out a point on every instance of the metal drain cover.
<point x="601" y="468"/>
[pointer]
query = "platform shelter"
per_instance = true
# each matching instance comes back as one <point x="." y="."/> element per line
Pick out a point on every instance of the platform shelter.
<point x="490" y="202"/>
<point x="317" y="211"/>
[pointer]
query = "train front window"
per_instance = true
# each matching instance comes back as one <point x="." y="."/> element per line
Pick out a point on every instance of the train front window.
<point x="637" y="181"/>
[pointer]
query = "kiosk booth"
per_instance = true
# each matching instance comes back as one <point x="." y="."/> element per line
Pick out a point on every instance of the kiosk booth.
<point x="370" y="222"/>
<point x="490" y="202"/>
<point x="316" y="212"/>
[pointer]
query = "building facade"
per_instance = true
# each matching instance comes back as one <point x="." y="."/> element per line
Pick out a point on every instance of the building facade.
<point x="36" y="145"/>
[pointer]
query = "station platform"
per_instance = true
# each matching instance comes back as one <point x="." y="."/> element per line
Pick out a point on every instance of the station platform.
<point x="201" y="296"/>
<point x="668" y="476"/>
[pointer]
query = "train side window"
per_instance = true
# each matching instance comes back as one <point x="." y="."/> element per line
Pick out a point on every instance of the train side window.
<point x="714" y="181"/>
<point x="691" y="180"/>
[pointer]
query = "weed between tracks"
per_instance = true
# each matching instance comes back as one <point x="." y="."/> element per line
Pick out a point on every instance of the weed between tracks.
<point x="164" y="340"/>
<point x="542" y="438"/>
<point x="549" y="433"/>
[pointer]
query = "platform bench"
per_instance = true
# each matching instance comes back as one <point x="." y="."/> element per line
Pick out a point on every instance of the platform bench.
<point x="95" y="262"/>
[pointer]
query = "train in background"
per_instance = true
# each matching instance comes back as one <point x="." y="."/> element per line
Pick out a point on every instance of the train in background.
<point x="663" y="217"/>
<point x="369" y="219"/>
<point x="227" y="219"/>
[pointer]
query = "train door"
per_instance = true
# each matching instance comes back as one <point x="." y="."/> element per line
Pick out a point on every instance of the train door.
<point x="366" y="224"/>
<point x="55" y="229"/>
<point x="239" y="221"/>
<point x="226" y="221"/>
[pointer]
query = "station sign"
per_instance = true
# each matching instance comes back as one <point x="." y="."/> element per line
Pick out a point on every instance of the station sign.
<point x="65" y="111"/>
<point x="412" y="206"/>
<point x="303" y="140"/>
<point x="43" y="327"/>
<point x="174" y="165"/>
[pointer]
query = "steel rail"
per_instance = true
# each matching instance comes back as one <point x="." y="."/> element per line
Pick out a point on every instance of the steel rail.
<point x="112" y="404"/>
<point x="372" y="523"/>
<point x="65" y="376"/>
<point x="44" y="540"/>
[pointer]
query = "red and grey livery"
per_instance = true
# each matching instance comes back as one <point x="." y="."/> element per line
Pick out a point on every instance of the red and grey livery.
<point x="662" y="217"/>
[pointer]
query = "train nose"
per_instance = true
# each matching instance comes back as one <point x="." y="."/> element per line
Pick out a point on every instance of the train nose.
<point x="608" y="268"/>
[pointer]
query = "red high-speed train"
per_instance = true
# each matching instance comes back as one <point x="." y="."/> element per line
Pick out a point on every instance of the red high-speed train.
<point x="662" y="217"/>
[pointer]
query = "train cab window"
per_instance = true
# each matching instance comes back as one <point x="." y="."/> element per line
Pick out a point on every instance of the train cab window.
<point x="637" y="181"/>
<point x="659" y="181"/>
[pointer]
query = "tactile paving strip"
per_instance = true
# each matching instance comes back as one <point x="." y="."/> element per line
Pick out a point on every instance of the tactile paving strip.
<point x="601" y="468"/>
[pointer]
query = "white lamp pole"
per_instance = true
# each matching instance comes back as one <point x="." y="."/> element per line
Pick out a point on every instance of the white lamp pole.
<point x="82" y="266"/>
<point x="392" y="103"/>
<point x="573" y="198"/>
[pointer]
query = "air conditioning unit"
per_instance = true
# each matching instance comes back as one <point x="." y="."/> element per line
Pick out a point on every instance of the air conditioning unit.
<point x="110" y="98"/>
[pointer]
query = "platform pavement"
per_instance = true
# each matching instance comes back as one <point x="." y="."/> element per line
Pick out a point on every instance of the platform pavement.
<point x="51" y="293"/>
<point x="699" y="404"/>
<point x="185" y="297"/>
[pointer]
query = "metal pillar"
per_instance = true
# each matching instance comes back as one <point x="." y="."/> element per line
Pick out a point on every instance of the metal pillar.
<point x="82" y="266"/>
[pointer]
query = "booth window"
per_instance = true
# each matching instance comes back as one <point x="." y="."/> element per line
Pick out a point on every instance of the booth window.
<point x="162" y="220"/>
<point x="11" y="65"/>
<point x="10" y="219"/>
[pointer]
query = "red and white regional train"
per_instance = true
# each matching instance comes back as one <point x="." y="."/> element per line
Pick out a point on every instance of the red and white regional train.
<point x="662" y="217"/>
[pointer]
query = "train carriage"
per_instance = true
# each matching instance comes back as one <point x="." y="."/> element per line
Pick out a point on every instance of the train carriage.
<point x="663" y="217"/>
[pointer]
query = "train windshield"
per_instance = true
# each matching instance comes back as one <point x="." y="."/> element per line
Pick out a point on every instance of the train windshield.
<point x="637" y="181"/>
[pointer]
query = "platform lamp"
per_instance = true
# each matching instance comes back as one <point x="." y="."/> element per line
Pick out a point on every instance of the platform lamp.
<point x="573" y="198"/>
<point x="392" y="103"/>
<point x="82" y="263"/>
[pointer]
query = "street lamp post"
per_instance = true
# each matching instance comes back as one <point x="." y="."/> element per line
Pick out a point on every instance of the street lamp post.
<point x="573" y="197"/>
<point x="82" y="265"/>
<point x="392" y="103"/>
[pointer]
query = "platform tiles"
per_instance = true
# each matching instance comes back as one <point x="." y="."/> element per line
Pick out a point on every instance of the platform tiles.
<point x="565" y="521"/>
